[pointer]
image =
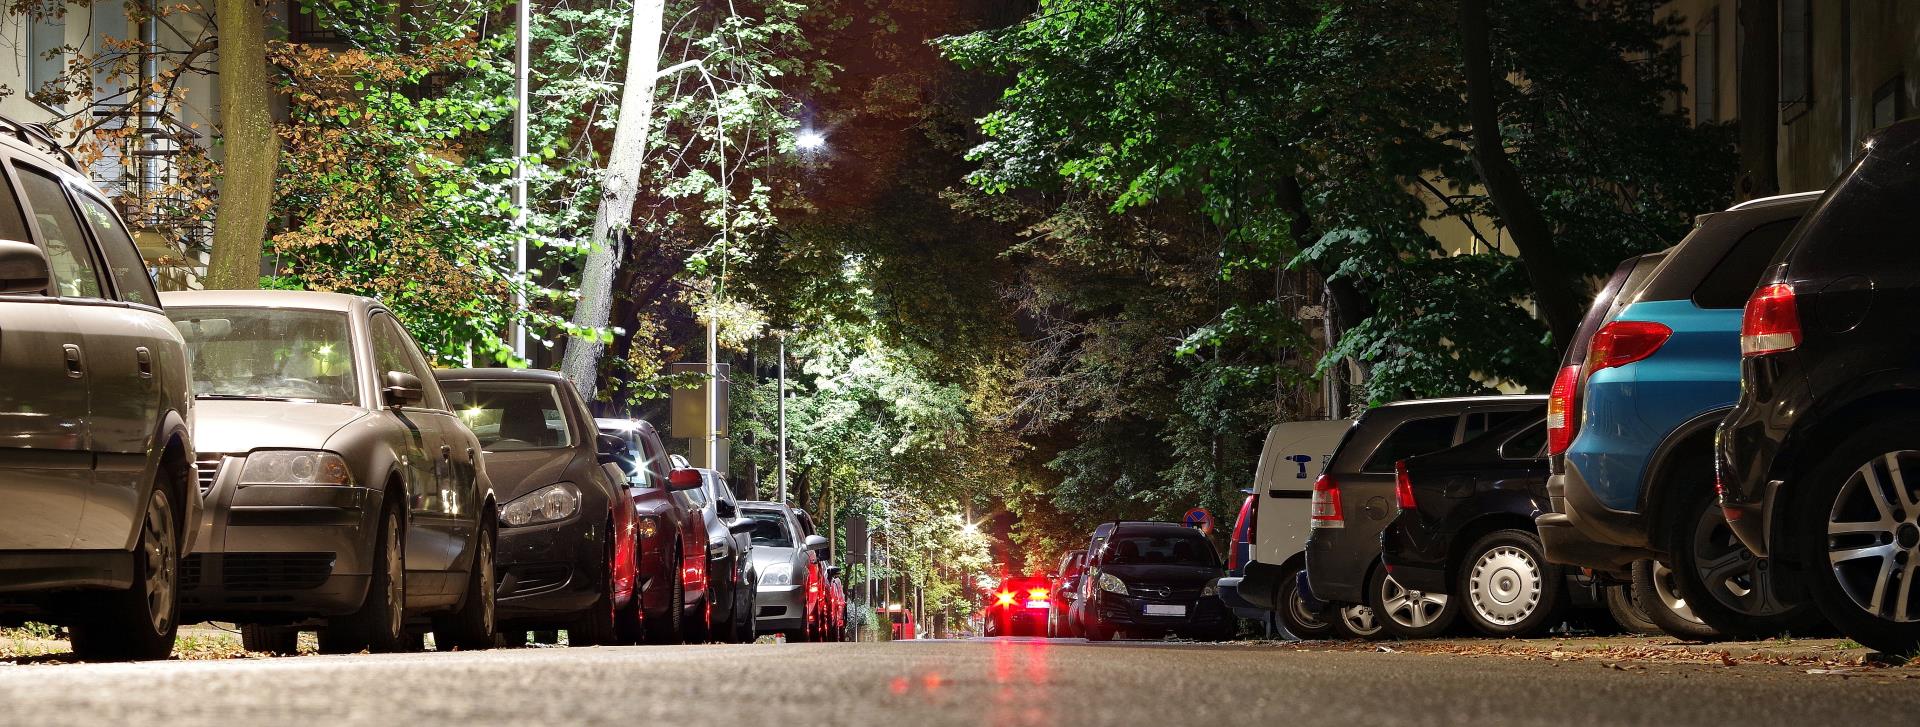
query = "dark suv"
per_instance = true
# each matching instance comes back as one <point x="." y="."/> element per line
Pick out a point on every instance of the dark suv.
<point x="1354" y="500"/>
<point x="97" y="496"/>
<point x="1633" y="433"/>
<point x="1812" y="460"/>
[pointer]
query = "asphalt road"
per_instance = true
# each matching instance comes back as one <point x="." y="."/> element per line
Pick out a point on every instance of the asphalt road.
<point x="1000" y="683"/>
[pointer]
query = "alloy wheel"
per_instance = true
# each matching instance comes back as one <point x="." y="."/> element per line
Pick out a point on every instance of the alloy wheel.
<point x="396" y="566"/>
<point x="1410" y="608"/>
<point x="1305" y="616"/>
<point x="1360" y="620"/>
<point x="1505" y="585"/>
<point x="163" y="558"/>
<point x="1732" y="574"/>
<point x="1873" y="538"/>
<point x="1669" y="594"/>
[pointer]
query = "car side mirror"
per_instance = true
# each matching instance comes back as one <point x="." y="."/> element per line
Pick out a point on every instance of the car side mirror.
<point x="684" y="479"/>
<point x="400" y="388"/>
<point x="613" y="450"/>
<point x="23" y="268"/>
<point x="726" y="509"/>
<point x="815" y="543"/>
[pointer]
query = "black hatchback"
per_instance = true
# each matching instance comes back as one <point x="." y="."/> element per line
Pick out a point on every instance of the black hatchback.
<point x="1812" y="460"/>
<point x="1152" y="579"/>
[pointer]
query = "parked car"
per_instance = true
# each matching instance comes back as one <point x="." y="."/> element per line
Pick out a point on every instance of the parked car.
<point x="97" y="496"/>
<point x="1151" y="579"/>
<point x="672" y="530"/>
<point x="1239" y="552"/>
<point x="341" y="492"/>
<point x="568" y="555"/>
<point x="1063" y="590"/>
<point x="781" y="557"/>
<point x="1290" y="462"/>
<point x="818" y="560"/>
<point x="1353" y="500"/>
<point x="836" y="605"/>
<point x="1636" y="475"/>
<point x="1812" y="459"/>
<point x="729" y="596"/>
<point x="1019" y="607"/>
<point x="904" y="628"/>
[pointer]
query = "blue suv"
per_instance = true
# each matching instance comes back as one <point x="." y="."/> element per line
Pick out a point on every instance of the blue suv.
<point x="1631" y="423"/>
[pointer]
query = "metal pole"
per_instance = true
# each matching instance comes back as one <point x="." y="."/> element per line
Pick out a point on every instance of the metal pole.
<point x="781" y="407"/>
<point x="713" y="389"/>
<point x="523" y="33"/>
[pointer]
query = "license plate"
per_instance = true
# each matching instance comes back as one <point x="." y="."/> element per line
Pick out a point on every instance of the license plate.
<point x="1037" y="604"/>
<point x="1155" y="609"/>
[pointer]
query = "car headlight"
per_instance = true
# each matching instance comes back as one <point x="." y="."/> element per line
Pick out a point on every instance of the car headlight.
<point x="295" y="467"/>
<point x="1212" y="589"/>
<point x="646" y="525"/>
<point x="776" y="577"/>
<point x="548" y="504"/>
<point x="1112" y="584"/>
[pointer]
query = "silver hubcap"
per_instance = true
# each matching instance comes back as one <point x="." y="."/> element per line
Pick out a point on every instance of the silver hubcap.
<point x="1410" y="608"/>
<point x="1873" y="538"/>
<point x="1504" y="585"/>
<point x="1732" y="575"/>
<point x="1360" y="620"/>
<point x="396" y="578"/>
<point x="1303" y="614"/>
<point x="158" y="544"/>
<point x="1670" y="595"/>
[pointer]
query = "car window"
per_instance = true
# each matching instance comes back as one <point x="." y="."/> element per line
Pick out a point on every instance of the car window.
<point x="394" y="350"/>
<point x="511" y="415"/>
<point x="130" y="273"/>
<point x="268" y="353"/>
<point x="1481" y="422"/>
<point x="1530" y="443"/>
<point x="1160" y="550"/>
<point x="76" y="274"/>
<point x="1412" y="438"/>
<point x="1733" y="280"/>
<point x="698" y="495"/>
<point x="12" y="225"/>
<point x="769" y="528"/>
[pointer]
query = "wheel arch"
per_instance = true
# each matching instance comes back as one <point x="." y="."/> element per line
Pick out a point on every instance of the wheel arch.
<point x="1479" y="527"/>
<point x="1799" y="452"/>
<point x="1687" y="446"/>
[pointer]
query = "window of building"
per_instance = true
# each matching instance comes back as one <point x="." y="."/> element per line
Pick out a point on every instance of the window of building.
<point x="306" y="26"/>
<point x="46" y="55"/>
<point x="1796" y="56"/>
<point x="1706" y="69"/>
<point x="1890" y="102"/>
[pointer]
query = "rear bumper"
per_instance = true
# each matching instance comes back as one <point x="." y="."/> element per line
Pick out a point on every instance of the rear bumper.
<point x="1230" y="594"/>
<point x="1583" y="532"/>
<point x="1415" y="555"/>
<point x="1337" y="569"/>
<point x="1261" y="581"/>
<point x="552" y="571"/>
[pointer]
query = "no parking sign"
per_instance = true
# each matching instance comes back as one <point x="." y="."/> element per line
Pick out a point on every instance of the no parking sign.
<point x="1199" y="518"/>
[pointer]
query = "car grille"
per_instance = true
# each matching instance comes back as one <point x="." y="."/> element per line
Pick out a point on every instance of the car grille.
<point x="207" y="468"/>
<point x="524" y="580"/>
<point x="190" y="571"/>
<point x="275" y="571"/>
<point x="1161" y="592"/>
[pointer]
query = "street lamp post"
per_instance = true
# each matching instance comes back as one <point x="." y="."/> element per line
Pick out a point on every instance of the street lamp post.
<point x="523" y="33"/>
<point x="781" y="407"/>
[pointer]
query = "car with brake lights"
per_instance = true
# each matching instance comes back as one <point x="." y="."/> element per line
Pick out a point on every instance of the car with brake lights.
<point x="342" y="493"/>
<point x="1019" y="606"/>
<point x="1147" y="580"/>
<point x="672" y="532"/>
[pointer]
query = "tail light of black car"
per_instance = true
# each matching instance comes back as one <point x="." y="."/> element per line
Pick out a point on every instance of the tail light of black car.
<point x="1403" y="485"/>
<point x="1326" y="504"/>
<point x="1771" y="322"/>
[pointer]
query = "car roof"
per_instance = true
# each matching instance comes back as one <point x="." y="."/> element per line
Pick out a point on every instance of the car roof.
<point x="307" y="299"/>
<point x="1136" y="528"/>
<point x="622" y="425"/>
<point x="542" y="375"/>
<point x="1458" y="401"/>
<point x="36" y="140"/>
<point x="1778" y="199"/>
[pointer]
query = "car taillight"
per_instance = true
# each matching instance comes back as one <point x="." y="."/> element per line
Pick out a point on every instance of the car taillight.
<point x="1326" y="504"/>
<point x="1005" y="598"/>
<point x="1562" y="404"/>
<point x="1242" y="532"/>
<point x="1403" y="485"/>
<point x="1623" y="342"/>
<point x="1771" y="323"/>
<point x="1037" y="598"/>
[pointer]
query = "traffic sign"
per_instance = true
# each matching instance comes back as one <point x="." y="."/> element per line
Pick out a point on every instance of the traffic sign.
<point x="1199" y="518"/>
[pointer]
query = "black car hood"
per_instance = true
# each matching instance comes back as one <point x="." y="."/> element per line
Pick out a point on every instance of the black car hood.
<point x="1172" y="575"/>
<point x="518" y="472"/>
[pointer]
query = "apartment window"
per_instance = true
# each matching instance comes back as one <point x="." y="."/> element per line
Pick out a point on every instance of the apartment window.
<point x="1890" y="102"/>
<point x="1796" y="53"/>
<point x="305" y="26"/>
<point x="46" y="55"/>
<point x="1706" y="69"/>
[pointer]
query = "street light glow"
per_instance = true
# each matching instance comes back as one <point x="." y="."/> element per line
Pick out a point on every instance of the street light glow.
<point x="810" y="140"/>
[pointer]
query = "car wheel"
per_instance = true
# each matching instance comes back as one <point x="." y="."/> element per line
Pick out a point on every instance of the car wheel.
<point x="1725" y="585"/>
<point x="1627" y="613"/>
<point x="1302" y="622"/>
<point x="1656" y="594"/>
<point x="471" y="628"/>
<point x="1859" y="537"/>
<point x="380" y="624"/>
<point x="275" y="640"/>
<point x="698" y="625"/>
<point x="666" y="630"/>
<point x="139" y="623"/>
<point x="744" y="614"/>
<point x="1509" y="587"/>
<point x="1407" y="613"/>
<point x="597" y="626"/>
<point x="1356" y="622"/>
<point x="1097" y="630"/>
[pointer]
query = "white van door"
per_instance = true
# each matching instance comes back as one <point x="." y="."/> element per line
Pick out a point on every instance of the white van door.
<point x="1290" y="461"/>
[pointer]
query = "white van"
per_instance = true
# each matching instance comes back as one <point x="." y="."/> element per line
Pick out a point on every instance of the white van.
<point x="1290" y="461"/>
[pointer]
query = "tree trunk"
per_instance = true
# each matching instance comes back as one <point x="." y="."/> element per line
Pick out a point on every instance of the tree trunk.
<point x="1553" y="292"/>
<point x="252" y="147"/>
<point x="1759" y="99"/>
<point x="1346" y="307"/>
<point x="618" y="187"/>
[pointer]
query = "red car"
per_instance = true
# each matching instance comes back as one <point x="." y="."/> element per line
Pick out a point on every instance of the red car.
<point x="817" y="605"/>
<point x="1019" y="607"/>
<point x="673" y="538"/>
<point x="903" y="626"/>
<point x="836" y="606"/>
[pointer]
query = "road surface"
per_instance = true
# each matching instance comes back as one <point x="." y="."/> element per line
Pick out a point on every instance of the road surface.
<point x="991" y="683"/>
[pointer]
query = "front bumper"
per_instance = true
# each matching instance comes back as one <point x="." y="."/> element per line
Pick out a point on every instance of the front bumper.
<point x="284" y="551"/>
<point x="1129" y="612"/>
<point x="780" y="608"/>
<point x="550" y="571"/>
<point x="1583" y="532"/>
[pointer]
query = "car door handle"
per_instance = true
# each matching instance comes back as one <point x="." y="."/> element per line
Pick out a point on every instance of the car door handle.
<point x="144" y="359"/>
<point x="75" y="369"/>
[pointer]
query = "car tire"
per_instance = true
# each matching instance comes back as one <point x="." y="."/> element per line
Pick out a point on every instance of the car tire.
<point x="1409" y="614"/>
<point x="1356" y="622"/>
<point x="666" y="629"/>
<point x="139" y="623"/>
<point x="744" y="615"/>
<point x="380" y="624"/>
<point x="274" y="640"/>
<point x="1302" y="622"/>
<point x="1507" y="586"/>
<point x="1098" y="631"/>
<point x="471" y="627"/>
<point x="1828" y="521"/>
<point x="598" y="626"/>
<point x="1656" y="594"/>
<point x="698" y="626"/>
<point x="1627" y="613"/>
<point x="1727" y="587"/>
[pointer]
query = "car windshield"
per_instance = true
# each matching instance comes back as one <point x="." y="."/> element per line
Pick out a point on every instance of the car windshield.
<point x="510" y="415"/>
<point x="769" y="528"/>
<point x="1160" y="550"/>
<point x="274" y="354"/>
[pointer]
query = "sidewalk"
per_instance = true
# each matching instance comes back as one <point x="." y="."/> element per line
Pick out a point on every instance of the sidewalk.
<point x="1632" y="649"/>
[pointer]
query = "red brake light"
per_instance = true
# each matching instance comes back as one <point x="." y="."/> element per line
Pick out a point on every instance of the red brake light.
<point x="1326" y="504"/>
<point x="1771" y="323"/>
<point x="1623" y="342"/>
<point x="1006" y="598"/>
<point x="1562" y="404"/>
<point x="1403" y="485"/>
<point x="1242" y="530"/>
